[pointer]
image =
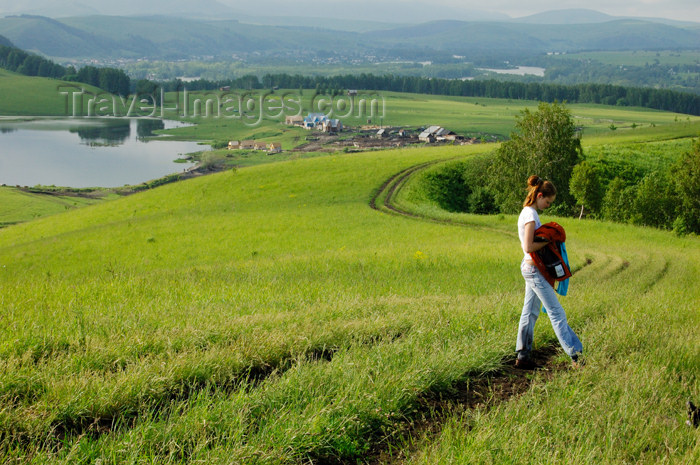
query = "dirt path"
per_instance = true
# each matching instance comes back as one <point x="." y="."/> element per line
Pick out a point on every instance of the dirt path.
<point x="481" y="391"/>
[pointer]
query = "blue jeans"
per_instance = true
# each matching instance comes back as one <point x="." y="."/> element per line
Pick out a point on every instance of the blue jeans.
<point x="537" y="290"/>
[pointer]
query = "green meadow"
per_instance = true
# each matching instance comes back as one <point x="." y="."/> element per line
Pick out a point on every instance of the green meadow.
<point x="19" y="205"/>
<point x="270" y="315"/>
<point x="37" y="96"/>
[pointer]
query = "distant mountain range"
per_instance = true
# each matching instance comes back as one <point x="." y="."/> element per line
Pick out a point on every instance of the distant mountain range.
<point x="69" y="8"/>
<point x="461" y="37"/>
<point x="585" y="16"/>
<point x="174" y="37"/>
<point x="390" y="11"/>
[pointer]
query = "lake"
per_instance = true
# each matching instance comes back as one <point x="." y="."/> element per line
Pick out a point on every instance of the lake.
<point x="520" y="70"/>
<point x="97" y="152"/>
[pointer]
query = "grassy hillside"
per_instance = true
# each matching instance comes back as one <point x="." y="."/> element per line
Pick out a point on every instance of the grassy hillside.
<point x="269" y="315"/>
<point x="37" y="96"/>
<point x="18" y="205"/>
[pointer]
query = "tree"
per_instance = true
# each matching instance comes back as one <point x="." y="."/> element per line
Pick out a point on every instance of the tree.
<point x="687" y="186"/>
<point x="446" y="187"/>
<point x="146" y="88"/>
<point x="114" y="81"/>
<point x="586" y="188"/>
<point x="547" y="145"/>
<point x="618" y="200"/>
<point x="655" y="202"/>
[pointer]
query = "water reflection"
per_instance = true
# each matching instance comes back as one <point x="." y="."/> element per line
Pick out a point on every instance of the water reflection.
<point x="89" y="152"/>
<point x="110" y="134"/>
<point x="117" y="132"/>
<point x="146" y="127"/>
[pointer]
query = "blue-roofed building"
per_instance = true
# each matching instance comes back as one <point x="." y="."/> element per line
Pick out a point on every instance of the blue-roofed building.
<point x="314" y="119"/>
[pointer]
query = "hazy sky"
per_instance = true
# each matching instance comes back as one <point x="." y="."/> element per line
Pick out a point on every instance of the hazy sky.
<point x="376" y="10"/>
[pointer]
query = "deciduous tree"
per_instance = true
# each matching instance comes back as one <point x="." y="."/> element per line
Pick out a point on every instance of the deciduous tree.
<point x="547" y="144"/>
<point x="586" y="188"/>
<point x="687" y="180"/>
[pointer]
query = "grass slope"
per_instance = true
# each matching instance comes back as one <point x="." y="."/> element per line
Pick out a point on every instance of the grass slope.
<point x="18" y="205"/>
<point x="37" y="96"/>
<point x="268" y="315"/>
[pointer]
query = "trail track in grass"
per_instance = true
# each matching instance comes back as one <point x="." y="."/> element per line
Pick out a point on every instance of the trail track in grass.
<point x="482" y="391"/>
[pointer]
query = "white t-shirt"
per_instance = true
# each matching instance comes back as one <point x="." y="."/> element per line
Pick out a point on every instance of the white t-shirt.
<point x="528" y="215"/>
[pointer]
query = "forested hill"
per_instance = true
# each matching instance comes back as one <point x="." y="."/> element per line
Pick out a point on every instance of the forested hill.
<point x="161" y="37"/>
<point x="4" y="41"/>
<point x="20" y="61"/>
<point x="462" y="37"/>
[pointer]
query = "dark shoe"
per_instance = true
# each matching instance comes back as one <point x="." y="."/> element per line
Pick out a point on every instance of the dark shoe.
<point x="577" y="361"/>
<point x="525" y="364"/>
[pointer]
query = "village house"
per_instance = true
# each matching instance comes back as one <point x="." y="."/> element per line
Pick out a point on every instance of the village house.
<point x="445" y="135"/>
<point x="451" y="136"/>
<point x="271" y="147"/>
<point x="437" y="133"/>
<point x="296" y="120"/>
<point x="331" y="125"/>
<point x="313" y="120"/>
<point x="428" y="135"/>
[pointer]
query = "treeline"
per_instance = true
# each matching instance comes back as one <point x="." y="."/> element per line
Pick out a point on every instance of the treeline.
<point x="667" y="198"/>
<point x="112" y="80"/>
<point x="19" y="61"/>
<point x="547" y="143"/>
<point x="684" y="77"/>
<point x="606" y="94"/>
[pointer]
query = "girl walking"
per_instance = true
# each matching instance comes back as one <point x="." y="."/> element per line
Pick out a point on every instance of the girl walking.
<point x="540" y="195"/>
